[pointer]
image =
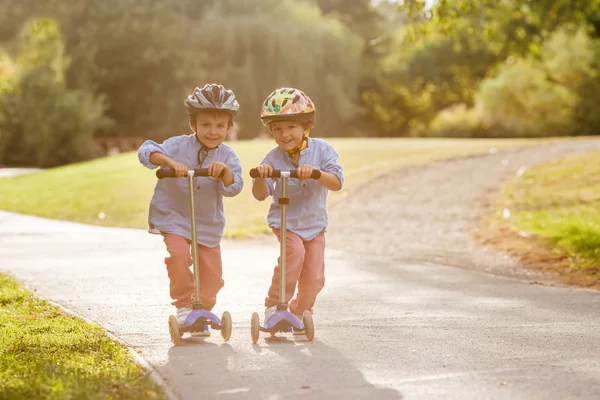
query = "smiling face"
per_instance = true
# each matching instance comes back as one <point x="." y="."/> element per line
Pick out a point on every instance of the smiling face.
<point x="288" y="134"/>
<point x="212" y="127"/>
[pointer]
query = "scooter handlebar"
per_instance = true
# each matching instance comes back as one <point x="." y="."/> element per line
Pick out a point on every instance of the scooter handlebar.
<point x="170" y="173"/>
<point x="316" y="174"/>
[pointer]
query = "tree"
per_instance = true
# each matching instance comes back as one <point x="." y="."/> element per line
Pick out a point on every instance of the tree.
<point x="515" y="27"/>
<point x="135" y="53"/>
<point x="43" y="122"/>
<point x="415" y="80"/>
<point x="254" y="52"/>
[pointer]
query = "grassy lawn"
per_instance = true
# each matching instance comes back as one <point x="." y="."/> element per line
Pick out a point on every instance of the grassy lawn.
<point x="47" y="354"/>
<point x="559" y="202"/>
<point x="120" y="188"/>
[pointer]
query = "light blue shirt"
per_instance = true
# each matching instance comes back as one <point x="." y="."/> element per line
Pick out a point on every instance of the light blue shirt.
<point x="307" y="211"/>
<point x="170" y="206"/>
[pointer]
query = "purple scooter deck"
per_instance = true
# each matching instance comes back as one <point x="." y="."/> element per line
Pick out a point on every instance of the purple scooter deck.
<point x="282" y="315"/>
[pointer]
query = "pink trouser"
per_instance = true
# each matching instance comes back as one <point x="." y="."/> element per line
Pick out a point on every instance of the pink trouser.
<point x="305" y="266"/>
<point x="182" y="278"/>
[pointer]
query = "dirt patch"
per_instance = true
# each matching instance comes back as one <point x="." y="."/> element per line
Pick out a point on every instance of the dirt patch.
<point x="432" y="213"/>
<point x="536" y="253"/>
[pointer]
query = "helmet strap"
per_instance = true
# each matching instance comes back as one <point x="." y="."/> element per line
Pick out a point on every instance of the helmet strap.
<point x="301" y="146"/>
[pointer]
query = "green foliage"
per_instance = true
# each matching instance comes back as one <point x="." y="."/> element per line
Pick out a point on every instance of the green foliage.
<point x="136" y="54"/>
<point x="512" y="26"/>
<point x="493" y="69"/>
<point x="521" y="100"/>
<point x="458" y="121"/>
<point x="416" y="80"/>
<point x="568" y="56"/>
<point x="42" y="122"/>
<point x="145" y="57"/>
<point x="291" y="45"/>
<point x="358" y="15"/>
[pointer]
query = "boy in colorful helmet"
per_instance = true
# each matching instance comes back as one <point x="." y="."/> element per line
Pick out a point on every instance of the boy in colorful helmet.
<point x="290" y="114"/>
<point x="211" y="110"/>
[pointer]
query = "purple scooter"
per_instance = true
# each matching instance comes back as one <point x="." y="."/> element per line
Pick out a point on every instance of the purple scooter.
<point x="282" y="320"/>
<point x="199" y="319"/>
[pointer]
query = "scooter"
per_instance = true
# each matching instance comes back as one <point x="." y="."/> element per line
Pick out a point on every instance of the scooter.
<point x="282" y="320"/>
<point x="199" y="319"/>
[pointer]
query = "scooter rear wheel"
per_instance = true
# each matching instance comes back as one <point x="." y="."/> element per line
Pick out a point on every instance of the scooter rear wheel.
<point x="174" y="330"/>
<point x="226" y="326"/>
<point x="309" y="325"/>
<point x="255" y="327"/>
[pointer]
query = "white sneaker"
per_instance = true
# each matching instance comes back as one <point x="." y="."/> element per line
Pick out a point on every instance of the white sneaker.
<point x="182" y="314"/>
<point x="269" y="311"/>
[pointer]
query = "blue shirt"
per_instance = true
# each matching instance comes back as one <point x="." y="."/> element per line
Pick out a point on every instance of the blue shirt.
<point x="307" y="211"/>
<point x="170" y="206"/>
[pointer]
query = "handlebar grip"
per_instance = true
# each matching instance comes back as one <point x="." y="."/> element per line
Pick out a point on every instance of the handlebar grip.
<point x="170" y="173"/>
<point x="254" y="173"/>
<point x="316" y="174"/>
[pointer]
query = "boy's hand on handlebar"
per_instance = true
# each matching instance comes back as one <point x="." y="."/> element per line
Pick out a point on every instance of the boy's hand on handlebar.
<point x="264" y="170"/>
<point x="179" y="168"/>
<point x="304" y="171"/>
<point x="215" y="168"/>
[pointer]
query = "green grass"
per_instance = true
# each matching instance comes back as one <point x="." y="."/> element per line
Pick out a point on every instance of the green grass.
<point x="560" y="201"/>
<point x="47" y="354"/>
<point x="121" y="188"/>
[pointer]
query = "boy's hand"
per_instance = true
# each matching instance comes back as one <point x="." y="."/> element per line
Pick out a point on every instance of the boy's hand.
<point x="264" y="170"/>
<point x="179" y="168"/>
<point x="215" y="168"/>
<point x="304" y="171"/>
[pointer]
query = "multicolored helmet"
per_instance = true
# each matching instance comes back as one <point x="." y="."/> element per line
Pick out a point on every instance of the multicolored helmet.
<point x="287" y="104"/>
<point x="212" y="96"/>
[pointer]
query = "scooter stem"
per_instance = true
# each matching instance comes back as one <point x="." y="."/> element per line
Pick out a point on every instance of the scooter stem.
<point x="197" y="302"/>
<point x="282" y="239"/>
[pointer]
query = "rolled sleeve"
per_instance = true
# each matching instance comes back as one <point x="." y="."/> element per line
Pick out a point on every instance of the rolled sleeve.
<point x="238" y="182"/>
<point x="270" y="189"/>
<point x="330" y="164"/>
<point x="169" y="148"/>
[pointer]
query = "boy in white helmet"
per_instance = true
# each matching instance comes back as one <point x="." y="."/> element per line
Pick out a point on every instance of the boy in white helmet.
<point x="211" y="110"/>
<point x="290" y="114"/>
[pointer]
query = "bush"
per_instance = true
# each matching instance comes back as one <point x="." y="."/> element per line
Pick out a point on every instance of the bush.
<point x="524" y="103"/>
<point x="42" y="122"/>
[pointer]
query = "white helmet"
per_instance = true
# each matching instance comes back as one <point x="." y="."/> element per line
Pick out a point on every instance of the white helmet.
<point x="212" y="96"/>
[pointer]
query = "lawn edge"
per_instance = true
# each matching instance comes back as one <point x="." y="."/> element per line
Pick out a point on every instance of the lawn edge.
<point x="507" y="239"/>
<point x="137" y="358"/>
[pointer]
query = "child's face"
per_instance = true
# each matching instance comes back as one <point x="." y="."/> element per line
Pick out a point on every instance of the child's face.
<point x="211" y="128"/>
<point x="287" y="134"/>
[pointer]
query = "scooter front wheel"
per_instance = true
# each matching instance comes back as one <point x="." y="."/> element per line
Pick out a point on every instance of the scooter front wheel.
<point x="174" y="330"/>
<point x="226" y="326"/>
<point x="309" y="325"/>
<point x="255" y="327"/>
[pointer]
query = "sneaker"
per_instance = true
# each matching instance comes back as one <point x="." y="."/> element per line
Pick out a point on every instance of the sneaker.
<point x="182" y="314"/>
<point x="269" y="311"/>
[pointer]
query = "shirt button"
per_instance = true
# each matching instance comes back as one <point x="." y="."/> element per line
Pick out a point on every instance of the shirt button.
<point x="304" y="185"/>
<point x="198" y="187"/>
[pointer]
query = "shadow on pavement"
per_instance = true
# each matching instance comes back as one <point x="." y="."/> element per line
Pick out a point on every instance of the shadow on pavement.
<point x="275" y="368"/>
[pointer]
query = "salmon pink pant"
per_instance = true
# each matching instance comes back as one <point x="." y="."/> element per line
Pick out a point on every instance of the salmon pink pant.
<point x="305" y="267"/>
<point x="182" y="278"/>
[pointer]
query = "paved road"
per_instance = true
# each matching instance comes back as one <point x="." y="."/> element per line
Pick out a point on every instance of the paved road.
<point x="384" y="329"/>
